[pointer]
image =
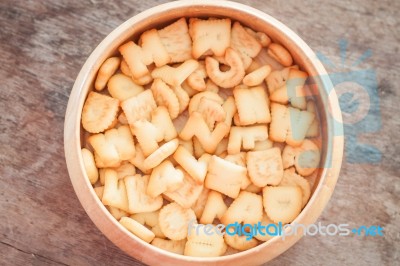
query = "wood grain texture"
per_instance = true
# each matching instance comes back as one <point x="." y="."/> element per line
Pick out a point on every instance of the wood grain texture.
<point x="43" y="45"/>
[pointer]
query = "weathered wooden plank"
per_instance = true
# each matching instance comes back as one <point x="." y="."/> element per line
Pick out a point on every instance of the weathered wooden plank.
<point x="10" y="255"/>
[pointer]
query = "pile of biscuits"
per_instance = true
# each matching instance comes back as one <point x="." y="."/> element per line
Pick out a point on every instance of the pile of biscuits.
<point x="186" y="125"/>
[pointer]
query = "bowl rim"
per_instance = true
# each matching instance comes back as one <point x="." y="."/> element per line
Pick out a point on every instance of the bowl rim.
<point x="100" y="215"/>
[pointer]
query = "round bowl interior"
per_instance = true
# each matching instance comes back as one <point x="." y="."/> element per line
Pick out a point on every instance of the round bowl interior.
<point x="331" y="137"/>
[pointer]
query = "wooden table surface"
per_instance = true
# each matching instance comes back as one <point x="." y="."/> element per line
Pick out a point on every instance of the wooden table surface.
<point x="43" y="45"/>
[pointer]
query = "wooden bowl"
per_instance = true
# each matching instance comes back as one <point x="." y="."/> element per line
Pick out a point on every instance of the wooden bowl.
<point x="325" y="97"/>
